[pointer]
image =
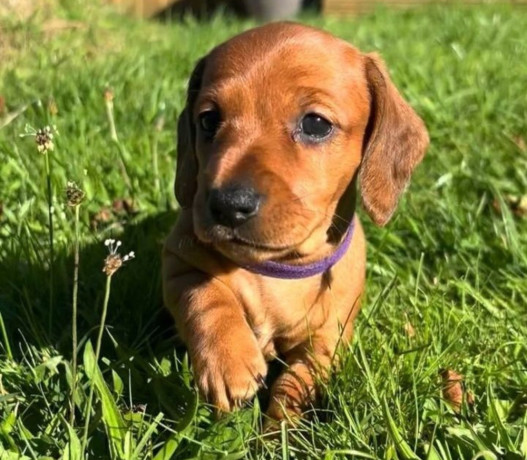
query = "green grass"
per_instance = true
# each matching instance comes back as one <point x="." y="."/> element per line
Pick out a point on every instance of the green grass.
<point x="448" y="263"/>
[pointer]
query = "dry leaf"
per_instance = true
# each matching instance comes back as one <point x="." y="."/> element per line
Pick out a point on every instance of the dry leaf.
<point x="520" y="142"/>
<point x="125" y="205"/>
<point x="55" y="25"/>
<point x="453" y="389"/>
<point x="120" y="209"/>
<point x="52" y="107"/>
<point x="21" y="9"/>
<point x="517" y="205"/>
<point x="496" y="205"/>
<point x="101" y="217"/>
<point x="2" y="105"/>
<point x="409" y="330"/>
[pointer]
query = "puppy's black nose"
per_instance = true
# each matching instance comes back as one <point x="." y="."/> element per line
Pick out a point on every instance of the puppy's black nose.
<point x="232" y="206"/>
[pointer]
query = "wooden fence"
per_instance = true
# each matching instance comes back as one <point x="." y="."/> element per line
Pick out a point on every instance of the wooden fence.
<point x="148" y="8"/>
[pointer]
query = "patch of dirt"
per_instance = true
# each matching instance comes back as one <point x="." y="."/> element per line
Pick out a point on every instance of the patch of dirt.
<point x="26" y="25"/>
<point x="18" y="9"/>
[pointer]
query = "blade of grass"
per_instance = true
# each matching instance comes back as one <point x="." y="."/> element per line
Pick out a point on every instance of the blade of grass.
<point x="73" y="449"/>
<point x="146" y="437"/>
<point x="400" y="443"/>
<point x="113" y="421"/>
<point x="5" y="338"/>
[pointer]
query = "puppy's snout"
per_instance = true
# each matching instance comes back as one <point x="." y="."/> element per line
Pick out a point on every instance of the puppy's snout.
<point x="233" y="206"/>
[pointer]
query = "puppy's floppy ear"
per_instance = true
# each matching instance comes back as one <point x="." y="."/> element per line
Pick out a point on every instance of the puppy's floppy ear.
<point x="187" y="165"/>
<point x="395" y="142"/>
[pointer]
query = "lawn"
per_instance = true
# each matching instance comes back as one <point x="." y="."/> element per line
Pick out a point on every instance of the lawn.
<point x="447" y="278"/>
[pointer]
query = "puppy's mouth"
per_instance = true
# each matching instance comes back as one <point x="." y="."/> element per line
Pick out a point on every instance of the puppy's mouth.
<point x="225" y="235"/>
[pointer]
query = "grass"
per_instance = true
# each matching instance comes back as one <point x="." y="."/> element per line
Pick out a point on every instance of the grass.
<point x="450" y="264"/>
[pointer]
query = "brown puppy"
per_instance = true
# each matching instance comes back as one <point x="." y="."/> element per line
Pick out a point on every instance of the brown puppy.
<point x="279" y="123"/>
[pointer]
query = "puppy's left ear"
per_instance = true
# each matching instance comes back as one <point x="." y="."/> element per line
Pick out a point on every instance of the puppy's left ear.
<point x="187" y="165"/>
<point x="395" y="142"/>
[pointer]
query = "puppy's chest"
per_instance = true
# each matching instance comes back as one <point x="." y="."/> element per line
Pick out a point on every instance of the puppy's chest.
<point x="284" y="311"/>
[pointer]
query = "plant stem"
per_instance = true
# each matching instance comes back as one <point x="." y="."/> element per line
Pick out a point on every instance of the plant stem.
<point x="51" y="249"/>
<point x="111" y="121"/>
<point x="122" y="165"/>
<point x="74" y="316"/>
<point x="115" y="139"/>
<point x="155" y="166"/>
<point x="6" y="340"/>
<point x="97" y="353"/>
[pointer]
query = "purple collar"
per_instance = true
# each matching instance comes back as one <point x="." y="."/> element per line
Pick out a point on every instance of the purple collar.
<point x="294" y="272"/>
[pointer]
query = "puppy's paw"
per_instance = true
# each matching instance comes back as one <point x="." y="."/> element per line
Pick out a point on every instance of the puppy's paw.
<point x="292" y="393"/>
<point x="227" y="376"/>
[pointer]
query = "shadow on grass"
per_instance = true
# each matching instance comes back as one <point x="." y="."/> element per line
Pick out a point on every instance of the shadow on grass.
<point x="140" y="351"/>
<point x="136" y="318"/>
<point x="139" y="346"/>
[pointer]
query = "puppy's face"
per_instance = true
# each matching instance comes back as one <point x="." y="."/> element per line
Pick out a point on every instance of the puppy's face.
<point x="277" y="123"/>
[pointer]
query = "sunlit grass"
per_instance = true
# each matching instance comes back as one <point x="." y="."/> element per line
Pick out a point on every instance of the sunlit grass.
<point x="449" y="265"/>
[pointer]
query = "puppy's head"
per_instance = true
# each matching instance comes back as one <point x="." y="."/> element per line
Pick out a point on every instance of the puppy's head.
<point x="279" y="121"/>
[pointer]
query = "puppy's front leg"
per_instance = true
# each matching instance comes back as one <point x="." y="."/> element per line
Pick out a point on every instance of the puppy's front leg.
<point x="294" y="390"/>
<point x="227" y="361"/>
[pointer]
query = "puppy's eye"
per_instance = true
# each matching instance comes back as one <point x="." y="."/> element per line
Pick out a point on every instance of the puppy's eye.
<point x="209" y="122"/>
<point x="315" y="126"/>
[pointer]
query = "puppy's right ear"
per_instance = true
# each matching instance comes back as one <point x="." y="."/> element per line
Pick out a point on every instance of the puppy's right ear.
<point x="396" y="142"/>
<point x="185" y="185"/>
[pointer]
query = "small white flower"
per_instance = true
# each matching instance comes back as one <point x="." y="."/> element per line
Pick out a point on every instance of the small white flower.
<point x="114" y="260"/>
<point x="129" y="256"/>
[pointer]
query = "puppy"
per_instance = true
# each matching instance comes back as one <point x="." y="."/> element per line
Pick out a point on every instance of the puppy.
<point x="267" y="257"/>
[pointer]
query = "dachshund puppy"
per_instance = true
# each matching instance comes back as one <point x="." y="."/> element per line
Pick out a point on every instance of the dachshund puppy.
<point x="267" y="257"/>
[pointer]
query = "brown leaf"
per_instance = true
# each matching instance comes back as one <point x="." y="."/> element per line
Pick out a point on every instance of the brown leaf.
<point x="2" y="105"/>
<point x="517" y="205"/>
<point x="496" y="205"/>
<point x="453" y="389"/>
<point x="21" y="9"/>
<point x="120" y="209"/>
<point x="52" y="107"/>
<point x="409" y="330"/>
<point x="125" y="205"/>
<point x="520" y="142"/>
<point x="108" y="94"/>
<point x="55" y="25"/>
<point x="101" y="217"/>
